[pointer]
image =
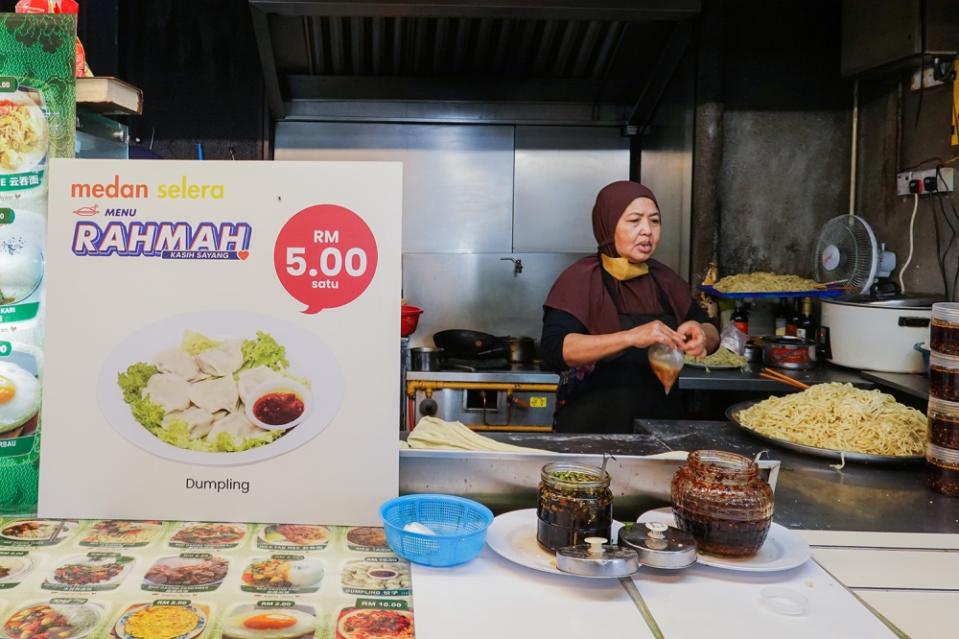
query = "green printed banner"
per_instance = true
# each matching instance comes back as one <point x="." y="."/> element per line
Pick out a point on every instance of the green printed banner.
<point x="18" y="312"/>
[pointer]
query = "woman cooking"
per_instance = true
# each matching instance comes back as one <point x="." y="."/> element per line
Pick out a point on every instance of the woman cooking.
<point x="605" y="310"/>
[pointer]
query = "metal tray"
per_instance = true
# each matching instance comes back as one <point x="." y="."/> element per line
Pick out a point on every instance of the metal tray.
<point x="829" y="453"/>
<point x="819" y="292"/>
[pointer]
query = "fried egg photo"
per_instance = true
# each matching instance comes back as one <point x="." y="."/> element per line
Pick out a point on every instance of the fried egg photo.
<point x="19" y="396"/>
<point x="252" y="623"/>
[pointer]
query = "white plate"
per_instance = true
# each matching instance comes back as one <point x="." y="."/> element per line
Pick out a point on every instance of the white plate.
<point x="309" y="357"/>
<point x="782" y="550"/>
<point x="512" y="536"/>
<point x="32" y="158"/>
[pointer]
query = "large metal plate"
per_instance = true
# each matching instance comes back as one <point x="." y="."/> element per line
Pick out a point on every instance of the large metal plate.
<point x="732" y="415"/>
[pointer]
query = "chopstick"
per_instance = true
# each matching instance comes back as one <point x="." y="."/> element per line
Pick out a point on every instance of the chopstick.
<point x="782" y="378"/>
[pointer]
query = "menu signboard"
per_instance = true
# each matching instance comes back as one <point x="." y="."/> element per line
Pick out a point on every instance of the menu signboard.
<point x="221" y="340"/>
<point x="37" y="115"/>
<point x="117" y="579"/>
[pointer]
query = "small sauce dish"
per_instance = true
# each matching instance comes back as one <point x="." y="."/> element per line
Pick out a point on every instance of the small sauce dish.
<point x="279" y="404"/>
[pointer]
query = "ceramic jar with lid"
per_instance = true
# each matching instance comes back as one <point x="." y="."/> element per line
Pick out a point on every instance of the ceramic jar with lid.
<point x="721" y="500"/>
<point x="574" y="503"/>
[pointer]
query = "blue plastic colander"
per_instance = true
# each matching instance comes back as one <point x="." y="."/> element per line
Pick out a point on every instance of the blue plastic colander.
<point x="460" y="526"/>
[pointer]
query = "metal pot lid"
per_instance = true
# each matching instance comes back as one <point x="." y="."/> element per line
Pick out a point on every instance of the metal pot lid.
<point x="597" y="559"/>
<point x="659" y="545"/>
<point x="901" y="302"/>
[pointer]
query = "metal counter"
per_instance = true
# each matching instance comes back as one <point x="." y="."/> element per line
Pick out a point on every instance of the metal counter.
<point x="810" y="493"/>
<point x="748" y="379"/>
<point x="692" y="378"/>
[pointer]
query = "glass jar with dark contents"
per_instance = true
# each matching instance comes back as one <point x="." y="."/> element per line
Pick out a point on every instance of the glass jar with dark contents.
<point x="944" y="377"/>
<point x="944" y="423"/>
<point x="944" y="330"/>
<point x="574" y="503"/>
<point x="720" y="499"/>
<point x="943" y="465"/>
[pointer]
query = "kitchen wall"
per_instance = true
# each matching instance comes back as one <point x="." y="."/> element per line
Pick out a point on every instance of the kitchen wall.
<point x="891" y="139"/>
<point x="476" y="199"/>
<point x="785" y="133"/>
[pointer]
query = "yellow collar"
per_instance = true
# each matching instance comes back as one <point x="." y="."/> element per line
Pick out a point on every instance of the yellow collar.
<point x="622" y="269"/>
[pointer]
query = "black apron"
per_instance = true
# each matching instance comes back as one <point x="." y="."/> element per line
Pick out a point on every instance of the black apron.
<point x="621" y="388"/>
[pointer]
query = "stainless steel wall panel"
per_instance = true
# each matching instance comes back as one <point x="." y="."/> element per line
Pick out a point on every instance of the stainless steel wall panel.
<point x="480" y="291"/>
<point x="558" y="173"/>
<point x="457" y="180"/>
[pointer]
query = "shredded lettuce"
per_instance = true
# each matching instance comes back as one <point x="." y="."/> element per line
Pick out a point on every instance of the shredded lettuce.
<point x="264" y="351"/>
<point x="195" y="343"/>
<point x="135" y="379"/>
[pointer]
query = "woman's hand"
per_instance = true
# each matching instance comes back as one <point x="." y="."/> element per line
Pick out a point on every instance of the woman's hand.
<point x="695" y="338"/>
<point x="655" y="332"/>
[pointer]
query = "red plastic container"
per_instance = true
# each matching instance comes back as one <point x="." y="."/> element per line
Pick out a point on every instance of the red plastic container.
<point x="409" y="318"/>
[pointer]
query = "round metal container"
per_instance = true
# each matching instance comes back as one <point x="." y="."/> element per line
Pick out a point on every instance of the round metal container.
<point x="659" y="545"/>
<point x="424" y="358"/>
<point x="596" y="559"/>
<point x="784" y="351"/>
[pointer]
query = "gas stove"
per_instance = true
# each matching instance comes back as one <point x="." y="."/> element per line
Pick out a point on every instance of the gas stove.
<point x="520" y="397"/>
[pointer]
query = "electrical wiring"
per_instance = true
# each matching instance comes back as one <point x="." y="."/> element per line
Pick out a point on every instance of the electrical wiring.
<point x="940" y="256"/>
<point x="912" y="223"/>
<point x="944" y="253"/>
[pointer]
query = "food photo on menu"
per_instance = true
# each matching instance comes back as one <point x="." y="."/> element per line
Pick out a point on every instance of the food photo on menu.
<point x="192" y="572"/>
<point x="37" y="532"/>
<point x="219" y="388"/>
<point x="127" y="534"/>
<point x="283" y="573"/>
<point x="253" y="621"/>
<point x="60" y="618"/>
<point x="90" y="572"/>
<point x="162" y="620"/>
<point x="208" y="535"/>
<point x="374" y="623"/>
<point x="23" y="130"/>
<point x="302" y="536"/>
<point x="217" y="396"/>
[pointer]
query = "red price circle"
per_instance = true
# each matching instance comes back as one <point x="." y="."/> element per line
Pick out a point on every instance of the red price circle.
<point x="325" y="256"/>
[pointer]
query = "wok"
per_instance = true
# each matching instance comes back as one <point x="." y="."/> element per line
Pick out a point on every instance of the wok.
<point x="467" y="344"/>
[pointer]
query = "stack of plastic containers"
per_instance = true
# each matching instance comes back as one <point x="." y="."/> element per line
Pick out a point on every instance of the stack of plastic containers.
<point x="942" y="451"/>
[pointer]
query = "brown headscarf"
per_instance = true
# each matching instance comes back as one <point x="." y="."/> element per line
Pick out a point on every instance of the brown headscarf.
<point x="580" y="290"/>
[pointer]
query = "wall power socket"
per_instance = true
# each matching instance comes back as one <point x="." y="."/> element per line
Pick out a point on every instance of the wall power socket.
<point x="927" y="181"/>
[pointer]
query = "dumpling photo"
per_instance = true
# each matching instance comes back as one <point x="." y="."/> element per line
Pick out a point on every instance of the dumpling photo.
<point x="217" y="395"/>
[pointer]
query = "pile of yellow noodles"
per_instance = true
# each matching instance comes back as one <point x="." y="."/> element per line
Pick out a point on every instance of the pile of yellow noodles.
<point x="840" y="417"/>
<point x="723" y="357"/>
<point x="763" y="282"/>
<point x="18" y="136"/>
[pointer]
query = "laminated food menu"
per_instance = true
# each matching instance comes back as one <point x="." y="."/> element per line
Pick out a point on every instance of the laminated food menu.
<point x="122" y="579"/>
<point x="37" y="122"/>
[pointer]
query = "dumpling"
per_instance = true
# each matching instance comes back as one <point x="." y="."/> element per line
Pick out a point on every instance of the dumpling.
<point x="215" y="394"/>
<point x="200" y="421"/>
<point x="170" y="391"/>
<point x="236" y="426"/>
<point x="222" y="360"/>
<point x="178" y="362"/>
<point x="250" y="379"/>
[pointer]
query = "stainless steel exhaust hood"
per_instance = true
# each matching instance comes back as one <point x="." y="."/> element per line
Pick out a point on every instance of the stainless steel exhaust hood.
<point x="518" y="61"/>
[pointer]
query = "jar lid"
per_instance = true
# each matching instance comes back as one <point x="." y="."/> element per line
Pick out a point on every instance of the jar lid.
<point x="948" y="311"/>
<point x="597" y="559"/>
<point x="940" y="455"/>
<point x="942" y="360"/>
<point x="943" y="407"/>
<point x="659" y="545"/>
